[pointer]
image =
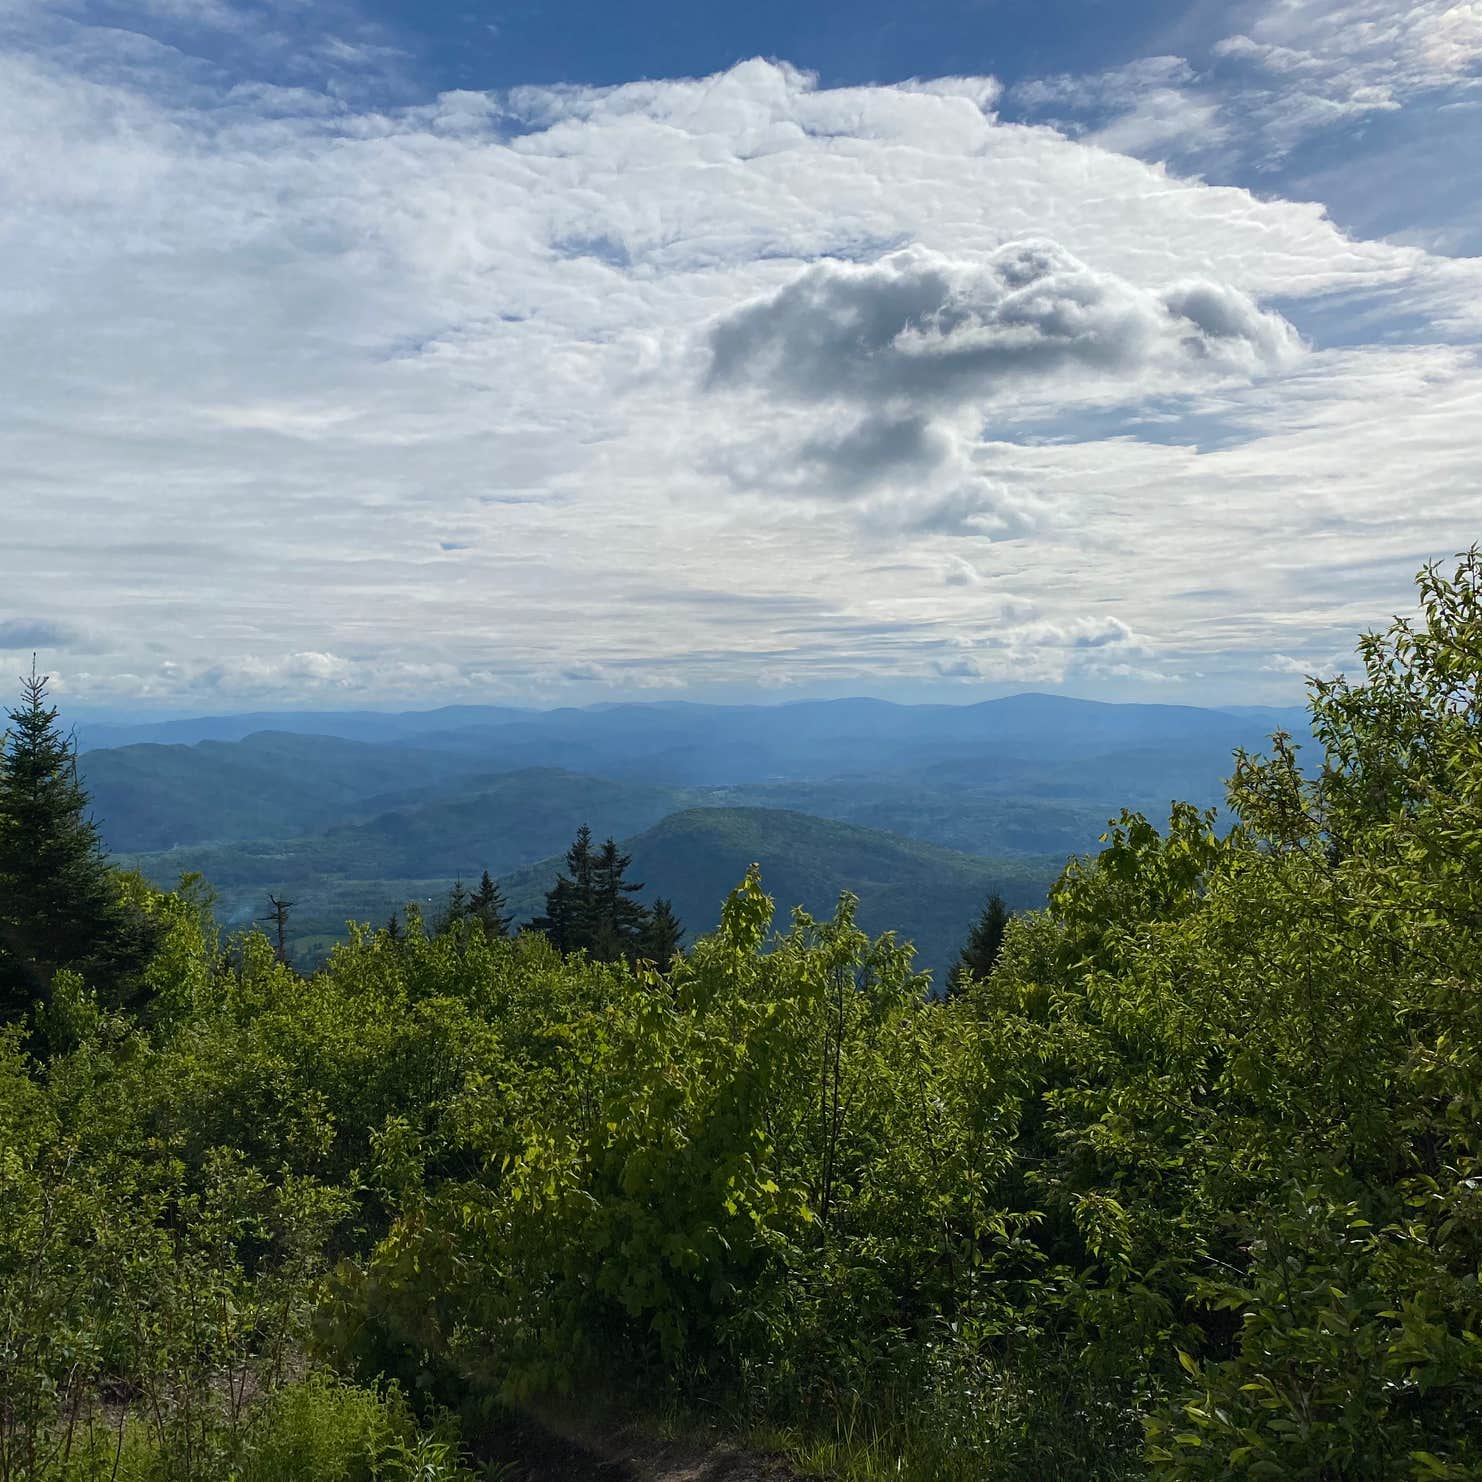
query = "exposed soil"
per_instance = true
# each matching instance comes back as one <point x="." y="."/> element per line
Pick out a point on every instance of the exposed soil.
<point x="554" y="1448"/>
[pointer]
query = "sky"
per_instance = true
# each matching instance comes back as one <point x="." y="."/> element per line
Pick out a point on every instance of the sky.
<point x="363" y="353"/>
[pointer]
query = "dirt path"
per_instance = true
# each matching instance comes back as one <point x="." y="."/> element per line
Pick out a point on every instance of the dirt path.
<point x="559" y="1449"/>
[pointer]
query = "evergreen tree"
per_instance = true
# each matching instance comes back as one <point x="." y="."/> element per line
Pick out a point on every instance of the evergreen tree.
<point x="569" y="903"/>
<point x="558" y="921"/>
<point x="661" y="937"/>
<point x="456" y="908"/>
<point x="984" y="942"/>
<point x="59" y="903"/>
<point x="487" y="906"/>
<point x="620" y="923"/>
<point x="591" y="908"/>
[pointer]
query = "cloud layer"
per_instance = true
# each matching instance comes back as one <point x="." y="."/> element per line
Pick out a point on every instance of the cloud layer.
<point x="733" y="384"/>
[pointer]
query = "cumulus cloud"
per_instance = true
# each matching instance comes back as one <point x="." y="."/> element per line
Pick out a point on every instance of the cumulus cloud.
<point x="293" y="672"/>
<point x="930" y="347"/>
<point x="875" y="448"/>
<point x="925" y="328"/>
<point x="1030" y="648"/>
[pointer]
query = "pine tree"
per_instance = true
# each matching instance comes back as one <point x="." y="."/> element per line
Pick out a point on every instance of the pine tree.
<point x="619" y="922"/>
<point x="487" y="906"/>
<point x="557" y="923"/>
<point x="591" y="908"/>
<point x="59" y="903"/>
<point x="455" y="909"/>
<point x="661" y="938"/>
<point x="984" y="942"/>
<point x="570" y="904"/>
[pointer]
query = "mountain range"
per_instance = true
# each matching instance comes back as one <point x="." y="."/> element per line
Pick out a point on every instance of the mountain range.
<point x="919" y="810"/>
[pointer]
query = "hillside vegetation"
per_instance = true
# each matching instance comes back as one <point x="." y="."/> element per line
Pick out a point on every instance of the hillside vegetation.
<point x="926" y="895"/>
<point x="1189" y="1186"/>
<point x="359" y="828"/>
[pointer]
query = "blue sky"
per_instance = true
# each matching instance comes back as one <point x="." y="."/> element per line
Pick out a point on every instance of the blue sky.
<point x="439" y="46"/>
<point x="386" y="354"/>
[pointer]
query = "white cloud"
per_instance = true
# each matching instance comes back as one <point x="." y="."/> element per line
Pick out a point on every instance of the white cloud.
<point x="1353" y="45"/>
<point x="1290" y="70"/>
<point x="305" y="397"/>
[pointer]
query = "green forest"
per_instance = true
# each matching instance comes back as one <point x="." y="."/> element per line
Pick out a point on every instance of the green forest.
<point x="1183" y="1178"/>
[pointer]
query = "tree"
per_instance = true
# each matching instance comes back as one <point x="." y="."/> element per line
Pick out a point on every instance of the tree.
<point x="456" y="908"/>
<point x="278" y="918"/>
<point x="487" y="906"/>
<point x="569" y="904"/>
<point x="620" y="923"/>
<point x="60" y="905"/>
<point x="591" y="908"/>
<point x="661" y="938"/>
<point x="984" y="941"/>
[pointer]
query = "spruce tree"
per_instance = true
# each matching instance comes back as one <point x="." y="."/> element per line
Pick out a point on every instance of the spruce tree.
<point x="455" y="909"/>
<point x="591" y="908"/>
<point x="557" y="923"/>
<point x="984" y="942"/>
<point x="570" y="906"/>
<point x="582" y="897"/>
<point x="581" y="862"/>
<point x="619" y="921"/>
<point x="661" y="938"/>
<point x="487" y="906"/>
<point x="59" y="903"/>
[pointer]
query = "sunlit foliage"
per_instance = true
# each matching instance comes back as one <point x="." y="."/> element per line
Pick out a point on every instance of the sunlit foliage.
<point x="1188" y="1185"/>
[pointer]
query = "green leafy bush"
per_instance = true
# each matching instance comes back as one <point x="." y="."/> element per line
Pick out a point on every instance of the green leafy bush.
<point x="1189" y="1185"/>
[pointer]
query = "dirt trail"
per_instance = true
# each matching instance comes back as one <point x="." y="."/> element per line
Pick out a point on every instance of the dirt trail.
<point x="554" y="1448"/>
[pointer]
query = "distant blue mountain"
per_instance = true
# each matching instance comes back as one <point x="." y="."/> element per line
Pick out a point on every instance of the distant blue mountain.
<point x="887" y="800"/>
<point x="349" y="725"/>
<point x="681" y="727"/>
<point x="195" y="782"/>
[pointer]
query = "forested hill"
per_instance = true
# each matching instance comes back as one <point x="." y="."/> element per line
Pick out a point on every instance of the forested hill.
<point x="355" y="827"/>
<point x="926" y="895"/>
<point x="1033" y="774"/>
<point x="515" y="827"/>
<point x="153" y="796"/>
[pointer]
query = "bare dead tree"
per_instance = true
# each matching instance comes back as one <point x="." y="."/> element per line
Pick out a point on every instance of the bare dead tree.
<point x="279" y="918"/>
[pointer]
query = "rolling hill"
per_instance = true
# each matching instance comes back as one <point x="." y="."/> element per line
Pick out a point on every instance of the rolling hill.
<point x="921" y="810"/>
<point x="1043" y="770"/>
<point x="504" y="823"/>
<point x="924" y="893"/>
<point x="518" y="831"/>
<point x="154" y="796"/>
